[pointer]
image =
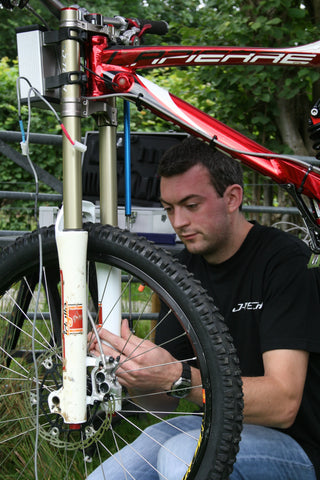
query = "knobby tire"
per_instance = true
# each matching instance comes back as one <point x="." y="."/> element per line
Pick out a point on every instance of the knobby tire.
<point x="162" y="274"/>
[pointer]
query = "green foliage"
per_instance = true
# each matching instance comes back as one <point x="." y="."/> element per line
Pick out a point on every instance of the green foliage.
<point x="19" y="215"/>
<point x="244" y="97"/>
<point x="8" y="75"/>
<point x="249" y="99"/>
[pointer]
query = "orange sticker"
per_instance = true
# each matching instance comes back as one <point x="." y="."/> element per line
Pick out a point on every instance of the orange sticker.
<point x="72" y="319"/>
<point x="100" y="319"/>
<point x="203" y="396"/>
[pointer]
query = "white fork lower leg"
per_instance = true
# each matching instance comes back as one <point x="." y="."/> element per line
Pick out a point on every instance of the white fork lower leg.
<point x="70" y="400"/>
<point x="109" y="292"/>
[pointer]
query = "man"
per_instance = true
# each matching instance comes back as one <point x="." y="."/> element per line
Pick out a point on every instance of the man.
<point x="258" y="278"/>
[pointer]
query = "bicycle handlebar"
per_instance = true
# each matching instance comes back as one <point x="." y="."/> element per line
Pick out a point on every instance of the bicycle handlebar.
<point x="54" y="6"/>
<point x="10" y="4"/>
<point x="156" y="27"/>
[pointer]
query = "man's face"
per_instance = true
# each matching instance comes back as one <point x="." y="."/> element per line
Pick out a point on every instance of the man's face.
<point x="197" y="213"/>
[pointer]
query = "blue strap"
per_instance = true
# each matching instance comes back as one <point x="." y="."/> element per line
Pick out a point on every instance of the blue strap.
<point x="127" y="158"/>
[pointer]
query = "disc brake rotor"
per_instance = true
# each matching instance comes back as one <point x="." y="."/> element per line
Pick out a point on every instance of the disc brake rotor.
<point x="46" y="376"/>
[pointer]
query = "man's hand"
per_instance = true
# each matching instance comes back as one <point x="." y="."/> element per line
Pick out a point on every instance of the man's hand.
<point x="143" y="367"/>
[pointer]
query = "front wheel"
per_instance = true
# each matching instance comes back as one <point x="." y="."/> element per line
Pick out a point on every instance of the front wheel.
<point x="32" y="437"/>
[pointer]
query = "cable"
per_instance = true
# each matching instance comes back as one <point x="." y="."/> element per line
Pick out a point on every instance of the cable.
<point x="19" y="105"/>
<point x="34" y="358"/>
<point x="25" y="151"/>
<point x="25" y="141"/>
<point x="32" y="10"/>
<point x="264" y="155"/>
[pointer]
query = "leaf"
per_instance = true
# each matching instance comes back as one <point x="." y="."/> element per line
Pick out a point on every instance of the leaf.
<point x="256" y="25"/>
<point x="296" y="12"/>
<point x="274" y="21"/>
<point x="262" y="119"/>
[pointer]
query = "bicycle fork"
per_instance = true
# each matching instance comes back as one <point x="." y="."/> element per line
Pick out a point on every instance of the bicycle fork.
<point x="71" y="400"/>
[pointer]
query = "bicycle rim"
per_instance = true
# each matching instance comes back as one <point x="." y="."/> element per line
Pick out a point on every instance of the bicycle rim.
<point x="30" y="354"/>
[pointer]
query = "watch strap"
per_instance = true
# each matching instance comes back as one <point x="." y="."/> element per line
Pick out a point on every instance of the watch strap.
<point x="186" y="371"/>
<point x="178" y="388"/>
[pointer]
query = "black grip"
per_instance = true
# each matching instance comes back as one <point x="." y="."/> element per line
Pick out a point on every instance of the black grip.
<point x="157" y="27"/>
<point x="9" y="5"/>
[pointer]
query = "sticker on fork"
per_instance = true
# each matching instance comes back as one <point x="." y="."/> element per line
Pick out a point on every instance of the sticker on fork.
<point x="72" y="319"/>
<point x="100" y="315"/>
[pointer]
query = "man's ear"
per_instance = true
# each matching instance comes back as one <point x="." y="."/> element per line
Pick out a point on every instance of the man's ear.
<point x="234" y="196"/>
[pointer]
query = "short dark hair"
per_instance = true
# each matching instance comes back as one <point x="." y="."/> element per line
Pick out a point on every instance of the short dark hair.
<point x="224" y="170"/>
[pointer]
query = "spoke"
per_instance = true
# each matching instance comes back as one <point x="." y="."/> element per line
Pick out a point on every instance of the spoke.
<point x="119" y="462"/>
<point x="97" y="445"/>
<point x="34" y="297"/>
<point x="154" y="347"/>
<point x="4" y="422"/>
<point x="84" y="458"/>
<point x="130" y="357"/>
<point x="13" y="379"/>
<point x="117" y="299"/>
<point x="156" y="413"/>
<point x="24" y="378"/>
<point x="71" y="450"/>
<point x="71" y="462"/>
<point x="11" y="394"/>
<point x="152" y="438"/>
<point x="46" y="344"/>
<point x="146" y="303"/>
<point x="50" y="304"/>
<point x="15" y="361"/>
<point x="8" y="439"/>
<point x="10" y="453"/>
<point x="31" y="459"/>
<point x="140" y="455"/>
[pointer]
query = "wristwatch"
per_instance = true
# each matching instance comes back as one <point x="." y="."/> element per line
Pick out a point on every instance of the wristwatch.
<point x="181" y="387"/>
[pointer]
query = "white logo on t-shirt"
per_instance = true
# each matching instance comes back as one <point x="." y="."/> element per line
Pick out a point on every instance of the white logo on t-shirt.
<point x="247" y="306"/>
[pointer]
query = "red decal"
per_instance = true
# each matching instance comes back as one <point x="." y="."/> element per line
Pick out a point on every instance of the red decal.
<point x="100" y="315"/>
<point x="73" y="319"/>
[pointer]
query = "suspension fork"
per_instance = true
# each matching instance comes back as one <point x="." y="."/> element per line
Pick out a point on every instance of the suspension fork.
<point x="109" y="279"/>
<point x="70" y="400"/>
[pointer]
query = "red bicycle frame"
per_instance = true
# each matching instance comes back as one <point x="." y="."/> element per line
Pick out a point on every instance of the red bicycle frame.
<point x="114" y="70"/>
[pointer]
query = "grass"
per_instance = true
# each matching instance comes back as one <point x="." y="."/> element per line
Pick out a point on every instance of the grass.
<point x="17" y="455"/>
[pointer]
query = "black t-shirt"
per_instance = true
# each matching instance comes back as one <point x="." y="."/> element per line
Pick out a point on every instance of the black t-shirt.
<point x="270" y="300"/>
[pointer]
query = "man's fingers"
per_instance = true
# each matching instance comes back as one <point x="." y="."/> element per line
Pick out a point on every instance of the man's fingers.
<point x="114" y="340"/>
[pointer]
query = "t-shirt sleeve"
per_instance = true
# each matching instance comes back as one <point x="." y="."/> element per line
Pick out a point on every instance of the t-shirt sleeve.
<point x="291" y="311"/>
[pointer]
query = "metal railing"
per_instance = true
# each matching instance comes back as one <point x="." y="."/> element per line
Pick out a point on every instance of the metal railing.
<point x="6" y="137"/>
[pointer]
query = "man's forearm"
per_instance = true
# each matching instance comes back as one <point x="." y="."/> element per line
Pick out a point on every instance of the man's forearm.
<point x="268" y="403"/>
<point x="196" y="391"/>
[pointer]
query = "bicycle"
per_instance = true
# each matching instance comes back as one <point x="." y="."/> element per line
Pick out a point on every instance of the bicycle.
<point x="41" y="360"/>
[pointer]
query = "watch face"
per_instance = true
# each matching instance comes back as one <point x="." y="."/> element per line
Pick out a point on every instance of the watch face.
<point x="181" y="388"/>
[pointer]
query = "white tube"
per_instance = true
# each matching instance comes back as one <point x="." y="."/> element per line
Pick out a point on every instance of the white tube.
<point x="109" y="294"/>
<point x="70" y="400"/>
